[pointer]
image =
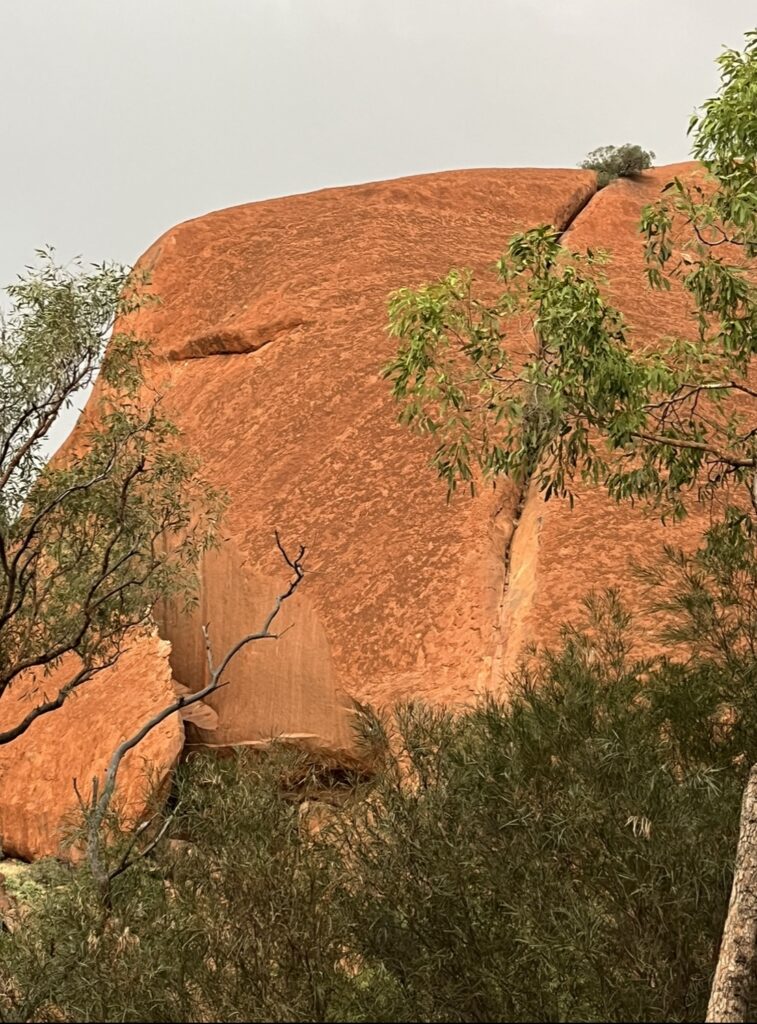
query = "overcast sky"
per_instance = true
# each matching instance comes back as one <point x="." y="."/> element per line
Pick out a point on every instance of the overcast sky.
<point x="121" y="118"/>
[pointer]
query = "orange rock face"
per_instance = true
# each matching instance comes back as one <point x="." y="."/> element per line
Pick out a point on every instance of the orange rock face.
<point x="559" y="553"/>
<point x="273" y="319"/>
<point x="273" y="325"/>
<point x="37" y="770"/>
<point x="283" y="688"/>
<point x="272" y="329"/>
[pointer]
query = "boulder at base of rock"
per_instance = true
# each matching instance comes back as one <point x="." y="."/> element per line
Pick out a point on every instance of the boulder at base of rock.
<point x="273" y="689"/>
<point x="37" y="770"/>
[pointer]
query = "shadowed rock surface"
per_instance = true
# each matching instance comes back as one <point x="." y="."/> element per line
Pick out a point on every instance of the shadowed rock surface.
<point x="284" y="688"/>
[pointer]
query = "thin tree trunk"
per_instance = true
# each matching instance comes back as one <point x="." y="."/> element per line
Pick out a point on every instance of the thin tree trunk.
<point x="735" y="972"/>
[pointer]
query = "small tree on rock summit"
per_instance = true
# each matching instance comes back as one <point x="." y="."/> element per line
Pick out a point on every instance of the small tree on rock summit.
<point x="612" y="162"/>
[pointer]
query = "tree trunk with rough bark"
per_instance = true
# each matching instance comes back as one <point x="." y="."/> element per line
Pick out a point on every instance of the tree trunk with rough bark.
<point x="737" y="963"/>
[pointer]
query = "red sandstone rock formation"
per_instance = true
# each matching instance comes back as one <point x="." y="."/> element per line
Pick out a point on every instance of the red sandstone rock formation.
<point x="37" y="770"/>
<point x="273" y="319"/>
<point x="272" y="325"/>
<point x="559" y="553"/>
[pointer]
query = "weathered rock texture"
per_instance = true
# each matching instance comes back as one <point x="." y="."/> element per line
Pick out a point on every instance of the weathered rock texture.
<point x="273" y="325"/>
<point x="273" y="319"/>
<point x="37" y="770"/>
<point x="559" y="553"/>
<point x="271" y="336"/>
<point x="283" y="688"/>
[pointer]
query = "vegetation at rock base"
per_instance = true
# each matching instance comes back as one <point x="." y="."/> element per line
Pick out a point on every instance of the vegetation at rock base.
<point x="612" y="162"/>
<point x="90" y="542"/>
<point x="564" y="856"/>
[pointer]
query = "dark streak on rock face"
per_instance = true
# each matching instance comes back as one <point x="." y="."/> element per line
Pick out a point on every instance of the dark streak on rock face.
<point x="234" y="342"/>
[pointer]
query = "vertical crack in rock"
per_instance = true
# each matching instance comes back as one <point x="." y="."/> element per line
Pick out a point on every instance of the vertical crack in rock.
<point x="566" y="218"/>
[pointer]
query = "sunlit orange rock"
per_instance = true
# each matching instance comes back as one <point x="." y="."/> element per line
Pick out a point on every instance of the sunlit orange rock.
<point x="38" y="803"/>
<point x="273" y="322"/>
<point x="269" y="340"/>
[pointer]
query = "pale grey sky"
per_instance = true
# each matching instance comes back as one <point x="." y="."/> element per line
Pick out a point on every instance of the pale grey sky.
<point x="121" y="118"/>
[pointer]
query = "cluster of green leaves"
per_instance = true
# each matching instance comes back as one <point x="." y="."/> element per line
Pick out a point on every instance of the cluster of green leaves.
<point x="702" y="232"/>
<point x="231" y="921"/>
<point x="612" y="162"/>
<point x="568" y="856"/>
<point x="28" y="884"/>
<point x="584" y="399"/>
<point x="90" y="541"/>
<point x="564" y="856"/>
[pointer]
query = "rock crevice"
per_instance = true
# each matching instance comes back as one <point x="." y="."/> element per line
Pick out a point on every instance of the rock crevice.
<point x="243" y="340"/>
<point x="559" y="553"/>
<point x="523" y="490"/>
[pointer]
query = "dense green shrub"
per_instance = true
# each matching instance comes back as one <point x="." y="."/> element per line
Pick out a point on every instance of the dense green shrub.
<point x="553" y="859"/>
<point x="229" y="922"/>
<point x="568" y="856"/>
<point x="564" y="856"/>
<point x="612" y="162"/>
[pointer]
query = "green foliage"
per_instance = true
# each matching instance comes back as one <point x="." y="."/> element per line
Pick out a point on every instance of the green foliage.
<point x="549" y="861"/>
<point x="612" y="162"/>
<point x="564" y="856"/>
<point x="232" y="921"/>
<point x="88" y="542"/>
<point x="28" y="884"/>
<point x="585" y="401"/>
<point x="567" y="856"/>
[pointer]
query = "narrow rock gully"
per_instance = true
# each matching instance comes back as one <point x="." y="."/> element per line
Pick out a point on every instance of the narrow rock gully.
<point x="521" y="496"/>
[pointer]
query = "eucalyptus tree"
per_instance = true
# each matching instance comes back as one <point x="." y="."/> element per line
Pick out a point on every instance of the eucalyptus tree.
<point x="612" y="162"/>
<point x="90" y="540"/>
<point x="646" y="422"/>
<point x="654" y="423"/>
